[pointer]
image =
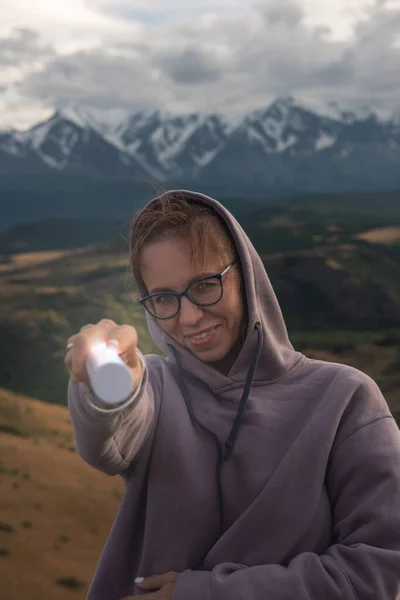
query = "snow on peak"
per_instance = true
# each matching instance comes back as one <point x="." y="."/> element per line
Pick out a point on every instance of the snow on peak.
<point x="324" y="141"/>
<point x="348" y="113"/>
<point x="74" y="114"/>
<point x="171" y="136"/>
<point x="61" y="134"/>
<point x="352" y="115"/>
<point x="159" y="138"/>
<point x="317" y="107"/>
<point x="104" y="121"/>
<point x="269" y="127"/>
<point x="9" y="144"/>
<point x="37" y="134"/>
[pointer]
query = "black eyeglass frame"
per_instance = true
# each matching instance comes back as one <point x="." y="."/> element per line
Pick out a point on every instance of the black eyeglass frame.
<point x="185" y="293"/>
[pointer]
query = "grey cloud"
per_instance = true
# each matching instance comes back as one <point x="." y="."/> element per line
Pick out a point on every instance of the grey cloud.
<point x="93" y="78"/>
<point x="190" y="66"/>
<point x="22" y="46"/>
<point x="236" y="64"/>
<point x="339" y="73"/>
<point x="371" y="64"/>
<point x="298" y="61"/>
<point x="288" y="12"/>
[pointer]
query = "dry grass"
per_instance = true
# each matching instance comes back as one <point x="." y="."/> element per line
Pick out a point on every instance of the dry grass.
<point x="59" y="508"/>
<point x="381" y="235"/>
<point x="28" y="259"/>
<point x="33" y="258"/>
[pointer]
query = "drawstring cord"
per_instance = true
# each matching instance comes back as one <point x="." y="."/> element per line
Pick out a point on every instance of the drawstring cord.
<point x="230" y="442"/>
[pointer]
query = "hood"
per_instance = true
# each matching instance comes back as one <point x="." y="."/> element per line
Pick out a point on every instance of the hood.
<point x="277" y="353"/>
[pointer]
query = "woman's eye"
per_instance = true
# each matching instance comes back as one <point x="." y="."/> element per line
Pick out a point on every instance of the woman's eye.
<point x="205" y="285"/>
<point x="163" y="299"/>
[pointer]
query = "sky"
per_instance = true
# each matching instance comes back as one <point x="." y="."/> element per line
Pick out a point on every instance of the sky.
<point x="228" y="56"/>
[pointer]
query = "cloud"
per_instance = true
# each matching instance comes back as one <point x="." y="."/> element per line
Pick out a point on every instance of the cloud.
<point x="22" y="46"/>
<point x="236" y="63"/>
<point x="288" y="12"/>
<point x="224" y="62"/>
<point x="159" y="9"/>
<point x="99" y="78"/>
<point x="190" y="66"/>
<point x="370" y="64"/>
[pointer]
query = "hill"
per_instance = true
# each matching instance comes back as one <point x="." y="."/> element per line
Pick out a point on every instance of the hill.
<point x="83" y="200"/>
<point x="79" y="212"/>
<point x="55" y="511"/>
<point x="45" y="297"/>
<point x="37" y="197"/>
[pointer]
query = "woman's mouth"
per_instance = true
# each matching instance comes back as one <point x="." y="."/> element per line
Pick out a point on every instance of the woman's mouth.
<point x="203" y="338"/>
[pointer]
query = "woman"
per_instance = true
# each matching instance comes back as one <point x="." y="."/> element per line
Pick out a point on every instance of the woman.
<point x="251" y="472"/>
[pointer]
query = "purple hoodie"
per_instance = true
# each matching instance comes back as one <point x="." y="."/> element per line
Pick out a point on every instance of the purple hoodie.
<point x="278" y="481"/>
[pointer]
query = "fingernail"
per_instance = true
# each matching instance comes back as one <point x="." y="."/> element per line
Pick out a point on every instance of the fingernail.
<point x="139" y="579"/>
<point x="114" y="342"/>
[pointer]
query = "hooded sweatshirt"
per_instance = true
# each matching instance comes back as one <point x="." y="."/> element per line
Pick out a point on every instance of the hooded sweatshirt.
<point x="279" y="480"/>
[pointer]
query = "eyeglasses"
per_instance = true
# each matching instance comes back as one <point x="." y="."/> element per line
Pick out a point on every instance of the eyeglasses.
<point x="205" y="291"/>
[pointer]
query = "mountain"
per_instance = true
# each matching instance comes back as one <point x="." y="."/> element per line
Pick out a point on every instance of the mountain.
<point x="289" y="148"/>
<point x="65" y="144"/>
<point x="151" y="145"/>
<point x="285" y="148"/>
<point x="172" y="146"/>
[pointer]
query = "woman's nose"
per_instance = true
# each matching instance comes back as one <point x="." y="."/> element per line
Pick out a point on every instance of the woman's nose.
<point x="190" y="313"/>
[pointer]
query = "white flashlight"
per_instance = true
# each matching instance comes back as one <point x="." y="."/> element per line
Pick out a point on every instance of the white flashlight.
<point x="110" y="378"/>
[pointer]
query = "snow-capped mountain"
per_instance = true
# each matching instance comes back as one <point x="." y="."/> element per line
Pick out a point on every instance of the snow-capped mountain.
<point x="169" y="144"/>
<point x="65" y="142"/>
<point x="288" y="145"/>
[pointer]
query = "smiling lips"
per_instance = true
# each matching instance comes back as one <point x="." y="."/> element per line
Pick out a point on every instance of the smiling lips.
<point x="203" y="336"/>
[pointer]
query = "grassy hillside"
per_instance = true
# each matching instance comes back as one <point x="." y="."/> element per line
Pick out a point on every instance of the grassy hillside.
<point x="57" y="234"/>
<point x="75" y="214"/>
<point x="36" y="197"/>
<point x="55" y="511"/>
<point x="46" y="297"/>
<point x="69" y="196"/>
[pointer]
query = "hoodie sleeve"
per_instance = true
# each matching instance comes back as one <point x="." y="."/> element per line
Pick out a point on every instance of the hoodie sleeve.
<point x="364" y="563"/>
<point x="109" y="439"/>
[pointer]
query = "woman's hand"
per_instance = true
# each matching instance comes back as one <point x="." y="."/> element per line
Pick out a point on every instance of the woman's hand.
<point x="163" y="584"/>
<point x="124" y="339"/>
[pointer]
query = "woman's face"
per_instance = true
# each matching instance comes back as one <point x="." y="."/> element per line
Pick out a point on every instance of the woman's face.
<point x="167" y="266"/>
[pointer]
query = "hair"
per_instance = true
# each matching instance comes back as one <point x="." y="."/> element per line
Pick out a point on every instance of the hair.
<point x="174" y="215"/>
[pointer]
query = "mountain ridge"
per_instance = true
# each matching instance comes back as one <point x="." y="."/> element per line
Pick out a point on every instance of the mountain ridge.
<point x="286" y="146"/>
